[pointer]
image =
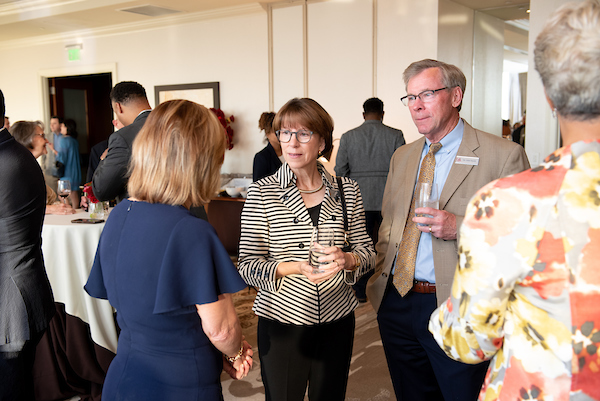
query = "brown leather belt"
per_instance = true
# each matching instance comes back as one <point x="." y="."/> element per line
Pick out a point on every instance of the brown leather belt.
<point x="423" y="287"/>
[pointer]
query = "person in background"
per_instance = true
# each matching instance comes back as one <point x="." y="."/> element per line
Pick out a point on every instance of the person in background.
<point x="27" y="305"/>
<point x="527" y="287"/>
<point x="6" y="122"/>
<point x="506" y="133"/>
<point x="518" y="135"/>
<point x="99" y="151"/>
<point x="96" y="153"/>
<point x="364" y="155"/>
<point x="68" y="155"/>
<point x="165" y="271"/>
<point x="305" y="317"/>
<point x="130" y="104"/>
<point x="415" y="263"/>
<point x="49" y="159"/>
<point x="268" y="160"/>
<point x="31" y="135"/>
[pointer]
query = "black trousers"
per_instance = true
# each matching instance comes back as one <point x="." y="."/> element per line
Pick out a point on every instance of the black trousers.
<point x="16" y="372"/>
<point x="419" y="368"/>
<point x="293" y="356"/>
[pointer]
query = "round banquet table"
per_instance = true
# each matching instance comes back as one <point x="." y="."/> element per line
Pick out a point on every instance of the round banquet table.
<point x="76" y="350"/>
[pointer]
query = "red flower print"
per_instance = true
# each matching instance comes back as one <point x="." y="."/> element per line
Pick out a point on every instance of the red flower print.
<point x="590" y="255"/>
<point x="586" y="342"/>
<point x="520" y="384"/>
<point x="548" y="278"/>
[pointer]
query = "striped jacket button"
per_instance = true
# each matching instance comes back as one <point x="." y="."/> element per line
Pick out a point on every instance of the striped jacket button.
<point x="333" y="218"/>
<point x="296" y="220"/>
<point x="301" y="245"/>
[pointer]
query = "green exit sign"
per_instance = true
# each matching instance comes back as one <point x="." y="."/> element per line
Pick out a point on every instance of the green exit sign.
<point x="74" y="54"/>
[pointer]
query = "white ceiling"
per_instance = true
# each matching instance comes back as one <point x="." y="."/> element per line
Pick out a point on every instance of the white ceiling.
<point x="30" y="19"/>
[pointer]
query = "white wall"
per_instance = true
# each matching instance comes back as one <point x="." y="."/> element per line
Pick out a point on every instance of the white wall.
<point x="232" y="51"/>
<point x="407" y="31"/>
<point x="488" y="60"/>
<point x="455" y="45"/>
<point x="351" y="59"/>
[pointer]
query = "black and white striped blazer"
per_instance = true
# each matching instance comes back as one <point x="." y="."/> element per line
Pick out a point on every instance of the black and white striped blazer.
<point x="276" y="227"/>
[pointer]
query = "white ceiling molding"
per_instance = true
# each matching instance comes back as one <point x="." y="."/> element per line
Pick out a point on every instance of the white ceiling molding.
<point x="133" y="27"/>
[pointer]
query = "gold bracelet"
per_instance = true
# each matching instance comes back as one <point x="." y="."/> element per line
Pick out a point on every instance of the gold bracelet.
<point x="232" y="359"/>
<point x="356" y="261"/>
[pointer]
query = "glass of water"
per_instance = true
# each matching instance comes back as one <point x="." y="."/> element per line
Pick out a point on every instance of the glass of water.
<point x="426" y="196"/>
<point x="322" y="237"/>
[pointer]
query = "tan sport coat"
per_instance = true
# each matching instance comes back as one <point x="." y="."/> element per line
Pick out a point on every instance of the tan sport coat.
<point x="498" y="157"/>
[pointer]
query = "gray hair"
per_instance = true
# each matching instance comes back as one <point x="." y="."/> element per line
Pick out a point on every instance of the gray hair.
<point x="23" y="132"/>
<point x="452" y="76"/>
<point x="567" y="57"/>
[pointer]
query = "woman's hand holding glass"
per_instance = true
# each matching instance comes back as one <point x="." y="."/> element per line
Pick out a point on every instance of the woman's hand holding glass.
<point x="332" y="261"/>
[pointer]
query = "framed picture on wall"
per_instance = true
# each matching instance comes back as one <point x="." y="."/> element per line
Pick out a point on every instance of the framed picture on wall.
<point x="206" y="94"/>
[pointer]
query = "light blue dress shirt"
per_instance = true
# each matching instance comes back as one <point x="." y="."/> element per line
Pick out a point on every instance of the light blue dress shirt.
<point x="444" y="159"/>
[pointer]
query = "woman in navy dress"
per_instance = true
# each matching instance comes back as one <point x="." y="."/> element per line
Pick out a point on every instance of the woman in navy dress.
<point x="165" y="271"/>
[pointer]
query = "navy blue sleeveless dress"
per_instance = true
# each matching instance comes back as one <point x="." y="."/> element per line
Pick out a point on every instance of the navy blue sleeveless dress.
<point x="154" y="263"/>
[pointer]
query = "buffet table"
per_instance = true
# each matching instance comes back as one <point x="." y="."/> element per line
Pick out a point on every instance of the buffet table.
<point x="75" y="352"/>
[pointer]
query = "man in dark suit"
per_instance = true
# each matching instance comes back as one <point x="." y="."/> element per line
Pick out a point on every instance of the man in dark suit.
<point x="130" y="104"/>
<point x="415" y="264"/>
<point x="364" y="155"/>
<point x="26" y="302"/>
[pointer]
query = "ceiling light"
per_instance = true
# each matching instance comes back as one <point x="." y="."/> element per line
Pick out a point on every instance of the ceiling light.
<point x="150" y="11"/>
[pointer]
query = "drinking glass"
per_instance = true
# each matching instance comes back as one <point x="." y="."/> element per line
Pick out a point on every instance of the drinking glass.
<point x="426" y="196"/>
<point x="63" y="190"/>
<point x="322" y="237"/>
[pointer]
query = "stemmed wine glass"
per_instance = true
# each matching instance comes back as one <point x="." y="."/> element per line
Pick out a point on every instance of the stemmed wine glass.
<point x="64" y="190"/>
<point x="322" y="237"/>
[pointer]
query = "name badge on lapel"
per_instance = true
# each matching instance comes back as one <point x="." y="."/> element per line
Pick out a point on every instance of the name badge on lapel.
<point x="470" y="161"/>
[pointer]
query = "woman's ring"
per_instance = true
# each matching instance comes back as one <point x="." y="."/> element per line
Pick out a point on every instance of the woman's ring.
<point x="429" y="229"/>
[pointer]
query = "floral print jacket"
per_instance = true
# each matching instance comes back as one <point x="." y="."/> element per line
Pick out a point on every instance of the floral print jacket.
<point x="526" y="292"/>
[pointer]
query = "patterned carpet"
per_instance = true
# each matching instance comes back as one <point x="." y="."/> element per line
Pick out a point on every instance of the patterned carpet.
<point x="369" y="378"/>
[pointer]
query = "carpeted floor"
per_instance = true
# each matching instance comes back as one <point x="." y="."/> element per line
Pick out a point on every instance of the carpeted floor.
<point x="369" y="378"/>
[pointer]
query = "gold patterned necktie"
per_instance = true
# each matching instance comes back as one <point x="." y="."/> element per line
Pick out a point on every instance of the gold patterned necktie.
<point x="404" y="274"/>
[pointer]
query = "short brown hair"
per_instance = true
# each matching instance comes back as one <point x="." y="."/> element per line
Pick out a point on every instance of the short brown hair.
<point x="265" y="122"/>
<point x="177" y="155"/>
<point x="309" y="114"/>
<point x="452" y="76"/>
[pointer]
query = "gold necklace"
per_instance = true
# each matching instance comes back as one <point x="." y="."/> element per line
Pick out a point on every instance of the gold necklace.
<point x="311" y="191"/>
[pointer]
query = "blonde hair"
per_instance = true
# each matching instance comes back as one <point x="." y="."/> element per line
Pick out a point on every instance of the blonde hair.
<point x="177" y="155"/>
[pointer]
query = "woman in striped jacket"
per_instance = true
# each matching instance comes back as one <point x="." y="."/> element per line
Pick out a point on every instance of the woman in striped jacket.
<point x="305" y="319"/>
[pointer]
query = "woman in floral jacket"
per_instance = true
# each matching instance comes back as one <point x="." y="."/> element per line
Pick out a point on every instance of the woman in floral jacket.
<point x="526" y="293"/>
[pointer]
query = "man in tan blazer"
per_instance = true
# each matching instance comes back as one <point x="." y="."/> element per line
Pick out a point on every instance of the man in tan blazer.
<point x="467" y="160"/>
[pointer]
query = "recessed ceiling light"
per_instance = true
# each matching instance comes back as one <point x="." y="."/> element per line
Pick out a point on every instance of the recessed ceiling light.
<point x="150" y="11"/>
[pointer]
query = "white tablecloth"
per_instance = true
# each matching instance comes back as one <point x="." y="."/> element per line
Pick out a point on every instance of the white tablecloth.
<point x="69" y="250"/>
